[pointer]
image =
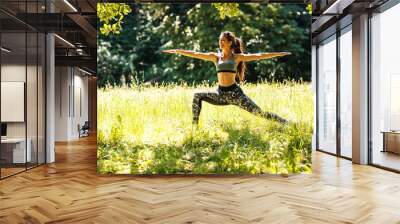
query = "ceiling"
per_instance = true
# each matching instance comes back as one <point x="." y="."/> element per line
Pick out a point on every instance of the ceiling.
<point x="330" y="15"/>
<point x="73" y="22"/>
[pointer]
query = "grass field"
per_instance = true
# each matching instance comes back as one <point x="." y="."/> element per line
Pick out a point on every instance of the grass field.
<point x="148" y="130"/>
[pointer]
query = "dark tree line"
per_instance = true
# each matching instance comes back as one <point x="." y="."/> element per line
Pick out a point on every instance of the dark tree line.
<point x="134" y="54"/>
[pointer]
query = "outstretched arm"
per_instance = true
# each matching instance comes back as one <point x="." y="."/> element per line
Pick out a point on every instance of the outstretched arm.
<point x="211" y="56"/>
<point x="260" y="56"/>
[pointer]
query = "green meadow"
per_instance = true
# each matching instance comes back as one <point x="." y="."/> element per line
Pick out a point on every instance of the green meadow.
<point x="148" y="130"/>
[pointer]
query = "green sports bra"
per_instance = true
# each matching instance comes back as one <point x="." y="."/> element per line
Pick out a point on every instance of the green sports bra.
<point x="226" y="66"/>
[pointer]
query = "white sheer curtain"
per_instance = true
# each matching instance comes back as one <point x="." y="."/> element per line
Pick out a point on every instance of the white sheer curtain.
<point x="346" y="91"/>
<point x="327" y="95"/>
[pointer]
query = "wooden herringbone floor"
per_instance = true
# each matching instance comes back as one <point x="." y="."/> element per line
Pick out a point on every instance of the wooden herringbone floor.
<point x="70" y="191"/>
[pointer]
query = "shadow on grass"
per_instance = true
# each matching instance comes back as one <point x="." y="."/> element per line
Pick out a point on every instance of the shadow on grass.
<point x="271" y="149"/>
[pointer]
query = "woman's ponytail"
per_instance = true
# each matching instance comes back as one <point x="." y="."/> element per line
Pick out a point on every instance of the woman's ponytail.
<point x="237" y="46"/>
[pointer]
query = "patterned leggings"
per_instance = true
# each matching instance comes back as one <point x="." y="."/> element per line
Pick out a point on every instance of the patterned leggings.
<point x="233" y="96"/>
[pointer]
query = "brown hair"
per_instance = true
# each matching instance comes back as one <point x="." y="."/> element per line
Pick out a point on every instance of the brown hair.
<point x="237" y="46"/>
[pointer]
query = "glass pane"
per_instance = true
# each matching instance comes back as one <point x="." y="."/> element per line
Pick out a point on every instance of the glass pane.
<point x="32" y="97"/>
<point x="386" y="89"/>
<point x="14" y="153"/>
<point x="327" y="95"/>
<point x="346" y="92"/>
<point x="23" y="60"/>
<point x="41" y="99"/>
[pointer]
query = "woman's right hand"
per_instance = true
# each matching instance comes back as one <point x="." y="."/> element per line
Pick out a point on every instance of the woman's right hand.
<point x="171" y="51"/>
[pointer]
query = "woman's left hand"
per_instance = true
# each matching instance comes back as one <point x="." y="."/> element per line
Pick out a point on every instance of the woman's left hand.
<point x="285" y="53"/>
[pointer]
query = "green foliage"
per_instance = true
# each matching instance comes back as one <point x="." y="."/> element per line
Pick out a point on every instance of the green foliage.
<point x="111" y="16"/>
<point x="309" y="8"/>
<point x="227" y="9"/>
<point x="134" y="55"/>
<point x="147" y="130"/>
<point x="115" y="12"/>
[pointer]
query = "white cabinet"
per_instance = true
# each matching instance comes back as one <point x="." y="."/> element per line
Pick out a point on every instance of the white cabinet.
<point x="18" y="149"/>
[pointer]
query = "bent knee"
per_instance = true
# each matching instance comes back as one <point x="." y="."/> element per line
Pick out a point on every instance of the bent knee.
<point x="199" y="95"/>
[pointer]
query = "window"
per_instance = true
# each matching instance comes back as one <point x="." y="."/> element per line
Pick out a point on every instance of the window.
<point x="23" y="77"/>
<point x="385" y="87"/>
<point x="346" y="92"/>
<point x="327" y="95"/>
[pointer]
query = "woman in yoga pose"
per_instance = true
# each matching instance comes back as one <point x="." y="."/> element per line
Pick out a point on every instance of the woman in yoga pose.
<point x="230" y="64"/>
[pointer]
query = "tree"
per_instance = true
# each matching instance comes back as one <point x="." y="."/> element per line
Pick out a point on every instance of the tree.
<point x="133" y="55"/>
<point x="227" y="9"/>
<point x="111" y="16"/>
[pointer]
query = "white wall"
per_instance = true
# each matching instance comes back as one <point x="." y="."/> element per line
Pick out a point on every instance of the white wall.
<point x="81" y="94"/>
<point x="62" y="81"/>
<point x="34" y="125"/>
<point x="12" y="73"/>
<point x="71" y="94"/>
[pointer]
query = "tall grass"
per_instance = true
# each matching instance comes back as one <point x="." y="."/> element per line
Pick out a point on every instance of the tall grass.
<point x="148" y="130"/>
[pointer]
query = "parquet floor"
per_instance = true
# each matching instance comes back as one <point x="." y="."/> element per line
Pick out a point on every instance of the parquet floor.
<point x="10" y="170"/>
<point x="70" y="191"/>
